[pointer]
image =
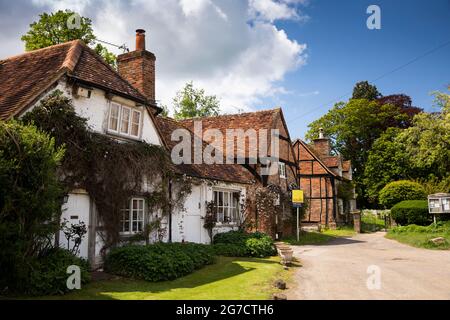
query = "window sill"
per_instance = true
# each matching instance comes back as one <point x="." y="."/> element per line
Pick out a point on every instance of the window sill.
<point x="122" y="136"/>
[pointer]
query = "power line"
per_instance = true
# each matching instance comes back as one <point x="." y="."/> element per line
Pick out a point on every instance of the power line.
<point x="375" y="80"/>
<point x="122" y="47"/>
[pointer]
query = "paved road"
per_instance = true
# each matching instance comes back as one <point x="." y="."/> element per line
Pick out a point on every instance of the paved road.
<point x="339" y="270"/>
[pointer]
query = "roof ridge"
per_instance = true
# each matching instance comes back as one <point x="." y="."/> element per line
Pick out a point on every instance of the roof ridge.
<point x="232" y="114"/>
<point x="73" y="55"/>
<point x="20" y="55"/>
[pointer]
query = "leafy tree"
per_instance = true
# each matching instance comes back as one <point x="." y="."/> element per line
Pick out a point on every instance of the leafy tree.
<point x="191" y="103"/>
<point x="165" y="111"/>
<point x="364" y="90"/>
<point x="353" y="128"/>
<point x="387" y="161"/>
<point x="60" y="27"/>
<point x="420" y="152"/>
<point x="399" y="191"/>
<point x="30" y="196"/>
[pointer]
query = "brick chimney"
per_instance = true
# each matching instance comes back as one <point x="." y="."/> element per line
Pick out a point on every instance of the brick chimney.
<point x="138" y="67"/>
<point x="322" y="145"/>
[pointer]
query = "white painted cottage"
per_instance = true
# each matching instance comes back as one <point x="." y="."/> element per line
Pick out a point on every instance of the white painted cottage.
<point x="121" y="105"/>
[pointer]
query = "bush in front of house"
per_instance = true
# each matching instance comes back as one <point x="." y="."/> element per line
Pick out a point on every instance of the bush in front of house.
<point x="47" y="274"/>
<point x="411" y="212"/>
<point x="158" y="262"/>
<point x="239" y="244"/>
<point x="399" y="191"/>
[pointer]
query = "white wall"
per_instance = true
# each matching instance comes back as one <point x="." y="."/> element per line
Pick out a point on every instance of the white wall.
<point x="187" y="224"/>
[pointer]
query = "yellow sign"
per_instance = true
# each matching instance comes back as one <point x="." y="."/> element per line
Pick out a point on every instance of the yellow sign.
<point x="297" y="196"/>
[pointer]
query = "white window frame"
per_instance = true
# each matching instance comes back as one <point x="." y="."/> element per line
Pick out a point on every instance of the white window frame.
<point x="230" y="211"/>
<point x="128" y="217"/>
<point x="130" y="121"/>
<point x="282" y="170"/>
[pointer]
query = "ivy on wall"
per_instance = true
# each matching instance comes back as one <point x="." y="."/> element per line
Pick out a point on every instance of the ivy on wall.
<point x="111" y="171"/>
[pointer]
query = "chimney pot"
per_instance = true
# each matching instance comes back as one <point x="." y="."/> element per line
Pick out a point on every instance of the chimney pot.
<point x="140" y="40"/>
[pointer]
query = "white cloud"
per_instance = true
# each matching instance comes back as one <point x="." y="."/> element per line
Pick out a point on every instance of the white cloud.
<point x="210" y="42"/>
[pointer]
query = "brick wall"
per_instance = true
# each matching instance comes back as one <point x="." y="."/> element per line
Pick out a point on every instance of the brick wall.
<point x="138" y="68"/>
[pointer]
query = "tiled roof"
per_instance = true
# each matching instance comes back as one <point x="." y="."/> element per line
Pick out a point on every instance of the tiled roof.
<point x="25" y="77"/>
<point x="222" y="172"/>
<point x="331" y="162"/>
<point x="254" y="120"/>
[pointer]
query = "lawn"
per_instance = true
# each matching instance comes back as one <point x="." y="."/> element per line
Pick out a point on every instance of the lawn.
<point x="419" y="237"/>
<point x="371" y="223"/>
<point x="228" y="279"/>
<point x="309" y="238"/>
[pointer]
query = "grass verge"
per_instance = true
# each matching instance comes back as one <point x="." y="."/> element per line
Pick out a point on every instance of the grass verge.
<point x="228" y="279"/>
<point x="419" y="237"/>
<point x="310" y="238"/>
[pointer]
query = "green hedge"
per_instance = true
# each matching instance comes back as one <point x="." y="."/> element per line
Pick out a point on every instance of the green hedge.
<point x="158" y="262"/>
<point x="240" y="244"/>
<point x="411" y="212"/>
<point x="47" y="275"/>
<point x="399" y="191"/>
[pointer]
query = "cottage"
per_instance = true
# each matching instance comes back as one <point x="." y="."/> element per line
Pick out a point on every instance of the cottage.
<point x="122" y="106"/>
<point x="326" y="181"/>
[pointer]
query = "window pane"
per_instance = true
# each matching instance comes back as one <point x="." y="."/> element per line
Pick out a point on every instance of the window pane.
<point x="220" y="203"/>
<point x="114" y="117"/>
<point x="135" y="122"/>
<point x="226" y="199"/>
<point x="125" y="120"/>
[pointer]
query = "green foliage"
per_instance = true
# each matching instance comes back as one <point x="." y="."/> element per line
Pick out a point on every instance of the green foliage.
<point x="353" y="128"/>
<point x="193" y="103"/>
<point x="64" y="26"/>
<point x="239" y="243"/>
<point x="54" y="29"/>
<point x="402" y="190"/>
<point x="158" y="262"/>
<point x="364" y="90"/>
<point x="30" y="196"/>
<point x="109" y="57"/>
<point x="411" y="212"/>
<point x="387" y="161"/>
<point x="371" y="223"/>
<point x="47" y="274"/>
<point x="420" y="236"/>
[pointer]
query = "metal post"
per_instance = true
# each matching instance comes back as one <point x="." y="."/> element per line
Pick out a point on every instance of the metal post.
<point x="298" y="224"/>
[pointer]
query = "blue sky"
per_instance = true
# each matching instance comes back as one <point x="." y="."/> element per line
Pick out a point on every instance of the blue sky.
<point x="302" y="55"/>
<point x="342" y="50"/>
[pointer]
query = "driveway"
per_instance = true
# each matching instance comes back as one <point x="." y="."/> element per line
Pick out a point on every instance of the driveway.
<point x="343" y="268"/>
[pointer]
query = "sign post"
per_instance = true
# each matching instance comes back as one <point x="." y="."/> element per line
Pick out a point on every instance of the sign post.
<point x="297" y="202"/>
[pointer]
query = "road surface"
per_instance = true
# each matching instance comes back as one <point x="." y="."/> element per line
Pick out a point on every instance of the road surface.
<point x="369" y="266"/>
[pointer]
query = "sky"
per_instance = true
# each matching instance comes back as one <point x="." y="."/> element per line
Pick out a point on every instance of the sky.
<point x="301" y="55"/>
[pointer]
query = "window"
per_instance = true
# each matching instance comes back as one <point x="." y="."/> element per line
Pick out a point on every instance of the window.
<point x="133" y="216"/>
<point x="282" y="170"/>
<point x="124" y="120"/>
<point x="227" y="205"/>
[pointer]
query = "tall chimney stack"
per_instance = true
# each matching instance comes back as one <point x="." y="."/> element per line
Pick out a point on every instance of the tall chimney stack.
<point x="322" y="144"/>
<point x="138" y="67"/>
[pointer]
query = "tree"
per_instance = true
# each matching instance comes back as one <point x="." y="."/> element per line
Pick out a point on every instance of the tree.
<point x="353" y="128"/>
<point x="60" y="27"/>
<point x="30" y="196"/>
<point x="191" y="103"/>
<point x="420" y="152"/>
<point x="364" y="90"/>
<point x="404" y="102"/>
<point x="387" y="161"/>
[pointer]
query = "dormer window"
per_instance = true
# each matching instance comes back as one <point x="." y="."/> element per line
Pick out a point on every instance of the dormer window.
<point x="124" y="120"/>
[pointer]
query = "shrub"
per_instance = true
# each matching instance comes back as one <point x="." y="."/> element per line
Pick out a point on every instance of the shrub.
<point x="239" y="243"/>
<point x="399" y="191"/>
<point x="30" y="197"/>
<point x="158" y="262"/>
<point x="47" y="274"/>
<point x="411" y="212"/>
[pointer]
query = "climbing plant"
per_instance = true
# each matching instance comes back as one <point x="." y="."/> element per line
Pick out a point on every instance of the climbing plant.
<point x="109" y="170"/>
